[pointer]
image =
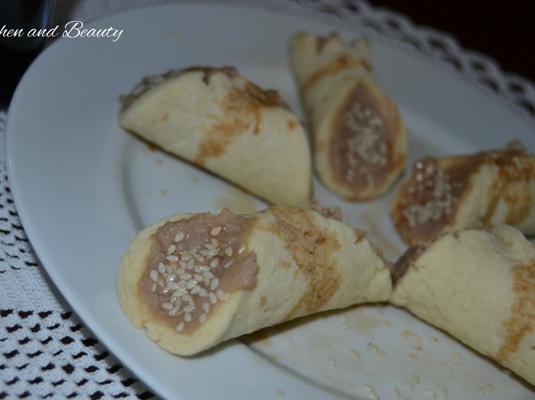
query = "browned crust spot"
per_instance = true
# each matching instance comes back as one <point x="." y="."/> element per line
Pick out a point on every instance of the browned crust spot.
<point x="323" y="40"/>
<point x="241" y="108"/>
<point x="152" y="81"/>
<point x="327" y="212"/>
<point x="151" y="146"/>
<point x="292" y="124"/>
<point x="218" y="138"/>
<point x="340" y="63"/>
<point x="402" y="265"/>
<point x="522" y="320"/>
<point x="512" y="184"/>
<point x="311" y="249"/>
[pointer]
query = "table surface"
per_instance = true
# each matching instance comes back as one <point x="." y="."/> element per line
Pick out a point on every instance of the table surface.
<point x="47" y="352"/>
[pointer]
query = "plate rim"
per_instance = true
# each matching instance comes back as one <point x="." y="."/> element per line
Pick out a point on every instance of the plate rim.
<point x="41" y="253"/>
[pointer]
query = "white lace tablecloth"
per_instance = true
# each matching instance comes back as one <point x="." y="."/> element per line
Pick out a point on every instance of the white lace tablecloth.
<point x="45" y="350"/>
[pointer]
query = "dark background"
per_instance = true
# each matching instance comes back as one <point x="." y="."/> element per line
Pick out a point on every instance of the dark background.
<point x="502" y="30"/>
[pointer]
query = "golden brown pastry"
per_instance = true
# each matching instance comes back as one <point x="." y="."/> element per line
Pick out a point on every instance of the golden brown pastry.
<point x="359" y="137"/>
<point x="220" y="121"/>
<point x="446" y="194"/>
<point x="479" y="286"/>
<point x="196" y="280"/>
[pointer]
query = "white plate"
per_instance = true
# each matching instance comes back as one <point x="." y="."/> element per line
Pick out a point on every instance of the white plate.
<point x="83" y="188"/>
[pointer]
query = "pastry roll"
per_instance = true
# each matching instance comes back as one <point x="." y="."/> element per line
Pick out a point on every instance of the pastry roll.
<point x="445" y="194"/>
<point x="479" y="286"/>
<point x="218" y="120"/>
<point x="359" y="137"/>
<point x="196" y="280"/>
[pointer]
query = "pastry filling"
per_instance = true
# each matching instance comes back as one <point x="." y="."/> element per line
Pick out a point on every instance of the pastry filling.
<point x="194" y="264"/>
<point x="433" y="193"/>
<point x="430" y="197"/>
<point x="361" y="149"/>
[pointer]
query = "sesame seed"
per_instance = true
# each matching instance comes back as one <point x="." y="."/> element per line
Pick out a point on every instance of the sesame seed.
<point x="241" y="249"/>
<point x="202" y="318"/>
<point x="180" y="327"/>
<point x="153" y="287"/>
<point x="489" y="387"/>
<point x="167" y="306"/>
<point x="203" y="292"/>
<point x="198" y="277"/>
<point x="371" y="392"/>
<point x="443" y="392"/>
<point x="166" y="290"/>
<point x="195" y="290"/>
<point x="198" y="257"/>
<point x="179" y="236"/>
<point x="207" y="275"/>
<point x="185" y="277"/>
<point x="228" y="264"/>
<point x="214" y="284"/>
<point x="173" y="312"/>
<point x="214" y="263"/>
<point x="212" y="252"/>
<point x="185" y="256"/>
<point x="161" y="268"/>
<point x="220" y="294"/>
<point x="171" y="249"/>
<point x="212" y="297"/>
<point x="215" y="231"/>
<point x="400" y="395"/>
<point x="214" y="242"/>
<point x="154" y="275"/>
<point x="187" y="298"/>
<point x="189" y="308"/>
<point x="191" y="284"/>
<point x="228" y="251"/>
<point x="172" y="258"/>
<point x="375" y="349"/>
<point x="206" y="307"/>
<point x="187" y="317"/>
